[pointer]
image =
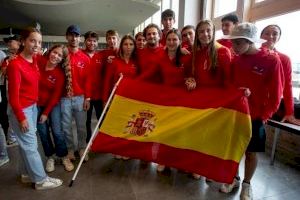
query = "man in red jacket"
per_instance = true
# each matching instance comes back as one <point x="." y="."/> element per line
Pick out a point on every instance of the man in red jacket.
<point x="228" y="23"/>
<point x="168" y="21"/>
<point x="76" y="100"/>
<point x="150" y="57"/>
<point x="95" y="75"/>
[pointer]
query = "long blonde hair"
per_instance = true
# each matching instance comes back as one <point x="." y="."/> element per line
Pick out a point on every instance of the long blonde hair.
<point x="211" y="47"/>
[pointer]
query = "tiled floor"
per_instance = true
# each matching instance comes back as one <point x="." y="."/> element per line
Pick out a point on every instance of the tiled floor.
<point x="106" y="178"/>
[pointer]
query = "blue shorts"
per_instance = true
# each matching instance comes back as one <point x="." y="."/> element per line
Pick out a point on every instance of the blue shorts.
<point x="258" y="139"/>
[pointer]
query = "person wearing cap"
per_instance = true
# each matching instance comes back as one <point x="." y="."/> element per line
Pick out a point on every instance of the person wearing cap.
<point x="76" y="100"/>
<point x="168" y="21"/>
<point x="229" y="21"/>
<point x="13" y="46"/>
<point x="258" y="72"/>
<point x="95" y="74"/>
<point x="271" y="34"/>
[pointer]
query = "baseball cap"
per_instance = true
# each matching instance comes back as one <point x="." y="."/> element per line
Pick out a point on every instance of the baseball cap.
<point x="245" y="30"/>
<point x="73" y="29"/>
<point x="9" y="38"/>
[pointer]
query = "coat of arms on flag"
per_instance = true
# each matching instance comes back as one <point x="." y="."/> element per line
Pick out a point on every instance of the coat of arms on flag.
<point x="141" y="123"/>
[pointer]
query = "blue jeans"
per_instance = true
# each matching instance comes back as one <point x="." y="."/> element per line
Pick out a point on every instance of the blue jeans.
<point x="3" y="150"/>
<point x="28" y="145"/>
<point x="53" y="122"/>
<point x="73" y="106"/>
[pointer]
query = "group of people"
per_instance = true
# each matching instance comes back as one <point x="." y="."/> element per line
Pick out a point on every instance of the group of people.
<point x="47" y="91"/>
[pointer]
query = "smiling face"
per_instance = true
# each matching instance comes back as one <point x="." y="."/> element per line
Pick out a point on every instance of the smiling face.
<point x="13" y="47"/>
<point x="205" y="34"/>
<point x="91" y="44"/>
<point x="272" y="35"/>
<point x="227" y="27"/>
<point x="140" y="42"/>
<point x="33" y="43"/>
<point x="172" y="42"/>
<point x="112" y="41"/>
<point x="56" y="56"/>
<point x="152" y="37"/>
<point x="73" y="40"/>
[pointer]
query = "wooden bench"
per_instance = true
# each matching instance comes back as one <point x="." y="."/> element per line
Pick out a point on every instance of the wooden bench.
<point x="281" y="126"/>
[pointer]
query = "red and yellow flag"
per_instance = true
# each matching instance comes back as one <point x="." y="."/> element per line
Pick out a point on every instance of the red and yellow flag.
<point x="205" y="131"/>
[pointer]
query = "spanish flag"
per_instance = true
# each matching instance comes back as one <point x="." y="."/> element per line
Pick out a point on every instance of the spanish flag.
<point x="205" y="131"/>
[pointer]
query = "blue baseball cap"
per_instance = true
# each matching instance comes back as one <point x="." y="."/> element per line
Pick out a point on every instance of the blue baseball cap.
<point x="73" y="29"/>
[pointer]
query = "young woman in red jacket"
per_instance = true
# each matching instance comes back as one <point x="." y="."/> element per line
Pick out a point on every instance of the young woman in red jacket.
<point x="271" y="34"/>
<point x="211" y="61"/>
<point x="23" y="78"/>
<point x="51" y="87"/>
<point x="124" y="64"/>
<point x="174" y="65"/>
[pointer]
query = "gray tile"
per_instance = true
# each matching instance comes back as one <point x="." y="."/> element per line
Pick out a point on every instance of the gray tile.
<point x="106" y="178"/>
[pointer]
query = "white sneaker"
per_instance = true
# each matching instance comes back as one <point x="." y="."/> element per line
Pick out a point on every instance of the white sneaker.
<point x="125" y="158"/>
<point x="160" y="168"/>
<point x="25" y="178"/>
<point x="227" y="188"/>
<point x="12" y="143"/>
<point x="196" y="176"/>
<point x="208" y="180"/>
<point x="67" y="164"/>
<point x="48" y="183"/>
<point x="50" y="165"/>
<point x="246" y="193"/>
<point x="4" y="161"/>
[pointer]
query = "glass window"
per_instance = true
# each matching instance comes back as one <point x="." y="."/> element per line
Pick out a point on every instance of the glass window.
<point x="258" y="1"/>
<point x="287" y="43"/>
<point x="223" y="7"/>
<point x="156" y="17"/>
<point x="148" y="21"/>
<point x="166" y="4"/>
<point x="175" y="8"/>
<point x="219" y="34"/>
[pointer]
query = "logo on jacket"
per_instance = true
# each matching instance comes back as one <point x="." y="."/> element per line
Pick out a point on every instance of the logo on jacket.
<point x="80" y="65"/>
<point x="258" y="70"/>
<point x="98" y="61"/>
<point x="52" y="79"/>
<point x="142" y="123"/>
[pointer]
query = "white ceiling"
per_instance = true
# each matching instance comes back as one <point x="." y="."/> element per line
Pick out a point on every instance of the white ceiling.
<point x="56" y="15"/>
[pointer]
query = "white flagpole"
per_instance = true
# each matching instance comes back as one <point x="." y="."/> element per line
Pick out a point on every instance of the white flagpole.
<point x="95" y="132"/>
